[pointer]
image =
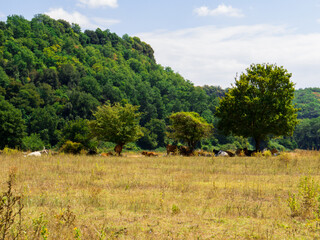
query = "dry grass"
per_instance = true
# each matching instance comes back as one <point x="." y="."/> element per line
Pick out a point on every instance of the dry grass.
<point x="81" y="197"/>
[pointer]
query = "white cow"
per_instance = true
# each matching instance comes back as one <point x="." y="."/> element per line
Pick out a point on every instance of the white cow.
<point x="222" y="154"/>
<point x="38" y="153"/>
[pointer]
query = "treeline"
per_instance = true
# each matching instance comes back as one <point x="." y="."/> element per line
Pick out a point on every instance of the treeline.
<point x="53" y="76"/>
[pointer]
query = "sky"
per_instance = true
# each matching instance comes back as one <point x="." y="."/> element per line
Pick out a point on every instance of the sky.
<point x="209" y="42"/>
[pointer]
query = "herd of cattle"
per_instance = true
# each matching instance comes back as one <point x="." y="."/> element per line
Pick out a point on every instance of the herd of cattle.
<point x="185" y="151"/>
<point x="172" y="150"/>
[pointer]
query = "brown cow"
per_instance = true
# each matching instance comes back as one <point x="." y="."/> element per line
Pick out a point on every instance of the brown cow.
<point x="107" y="154"/>
<point x="149" y="154"/>
<point x="231" y="154"/>
<point x="275" y="152"/>
<point x="246" y="152"/>
<point x="240" y="152"/>
<point x="172" y="148"/>
<point x="185" y="151"/>
<point x="118" y="149"/>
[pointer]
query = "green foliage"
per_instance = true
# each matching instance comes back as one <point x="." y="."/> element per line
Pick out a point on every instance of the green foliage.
<point x="118" y="123"/>
<point x="44" y="121"/>
<point x="308" y="100"/>
<point x="4" y="79"/>
<point x="40" y="227"/>
<point x="46" y="62"/>
<point x="90" y="85"/>
<point x="259" y="105"/>
<point x="154" y="134"/>
<point x="188" y="127"/>
<point x="307" y="134"/>
<point x="32" y="143"/>
<point x="12" y="126"/>
<point x="72" y="147"/>
<point x="175" y="209"/>
<point x="305" y="203"/>
<point x="80" y="104"/>
<point x="77" y="131"/>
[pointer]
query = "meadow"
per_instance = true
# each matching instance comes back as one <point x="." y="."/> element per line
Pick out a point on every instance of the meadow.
<point x="137" y="197"/>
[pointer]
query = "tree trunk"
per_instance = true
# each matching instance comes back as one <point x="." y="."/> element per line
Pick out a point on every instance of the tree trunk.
<point x="257" y="140"/>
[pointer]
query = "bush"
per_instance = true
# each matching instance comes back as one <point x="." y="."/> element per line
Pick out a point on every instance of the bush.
<point x="273" y="144"/>
<point x="306" y="202"/>
<point x="131" y="147"/>
<point x="10" y="151"/>
<point x="267" y="153"/>
<point x="72" y="147"/>
<point x="32" y="142"/>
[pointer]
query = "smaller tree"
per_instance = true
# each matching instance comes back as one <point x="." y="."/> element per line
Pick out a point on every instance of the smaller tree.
<point x="77" y="131"/>
<point x="189" y="127"/>
<point x="117" y="123"/>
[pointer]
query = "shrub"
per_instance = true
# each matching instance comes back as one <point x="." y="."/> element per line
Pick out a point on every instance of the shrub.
<point x="132" y="147"/>
<point x="175" y="209"/>
<point x="306" y="203"/>
<point x="72" y="147"/>
<point x="267" y="153"/>
<point x="32" y="142"/>
<point x="10" y="151"/>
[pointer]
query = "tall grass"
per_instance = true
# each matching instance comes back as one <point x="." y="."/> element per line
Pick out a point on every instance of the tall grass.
<point x="137" y="197"/>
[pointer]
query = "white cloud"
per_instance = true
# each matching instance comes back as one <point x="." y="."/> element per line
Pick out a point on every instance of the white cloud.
<point x="99" y="3"/>
<point x="84" y="21"/>
<point x="221" y="10"/>
<point x="105" y="22"/>
<point x="213" y="56"/>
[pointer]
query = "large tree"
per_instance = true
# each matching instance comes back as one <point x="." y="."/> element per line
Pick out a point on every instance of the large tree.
<point x="259" y="105"/>
<point x="188" y="127"/>
<point x="117" y="123"/>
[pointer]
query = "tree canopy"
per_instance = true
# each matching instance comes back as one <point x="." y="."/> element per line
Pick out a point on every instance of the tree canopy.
<point x="259" y="105"/>
<point x="188" y="127"/>
<point x="117" y="123"/>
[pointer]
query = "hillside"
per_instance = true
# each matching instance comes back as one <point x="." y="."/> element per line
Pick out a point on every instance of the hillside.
<point x="49" y="66"/>
<point x="308" y="100"/>
<point x="53" y="76"/>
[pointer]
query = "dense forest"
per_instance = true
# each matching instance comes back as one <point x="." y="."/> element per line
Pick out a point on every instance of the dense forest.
<point x="53" y="76"/>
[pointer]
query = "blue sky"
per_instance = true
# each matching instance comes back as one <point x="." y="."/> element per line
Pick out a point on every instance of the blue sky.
<point x="206" y="41"/>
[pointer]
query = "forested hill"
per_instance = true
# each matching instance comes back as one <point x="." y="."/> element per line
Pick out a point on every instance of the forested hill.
<point x="53" y="75"/>
<point x="54" y="72"/>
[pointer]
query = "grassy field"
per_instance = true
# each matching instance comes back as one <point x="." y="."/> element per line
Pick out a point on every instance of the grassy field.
<point x="137" y="197"/>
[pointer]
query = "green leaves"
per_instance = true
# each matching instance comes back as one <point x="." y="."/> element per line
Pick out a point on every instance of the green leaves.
<point x="189" y="127"/>
<point x="11" y="125"/>
<point x="259" y="105"/>
<point x="117" y="123"/>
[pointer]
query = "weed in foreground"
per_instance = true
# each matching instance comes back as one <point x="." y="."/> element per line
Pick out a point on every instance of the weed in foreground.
<point x="10" y="211"/>
<point x="66" y="217"/>
<point x="306" y="203"/>
<point x="40" y="227"/>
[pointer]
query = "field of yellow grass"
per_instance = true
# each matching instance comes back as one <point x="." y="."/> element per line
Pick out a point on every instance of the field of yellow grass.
<point x="137" y="197"/>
